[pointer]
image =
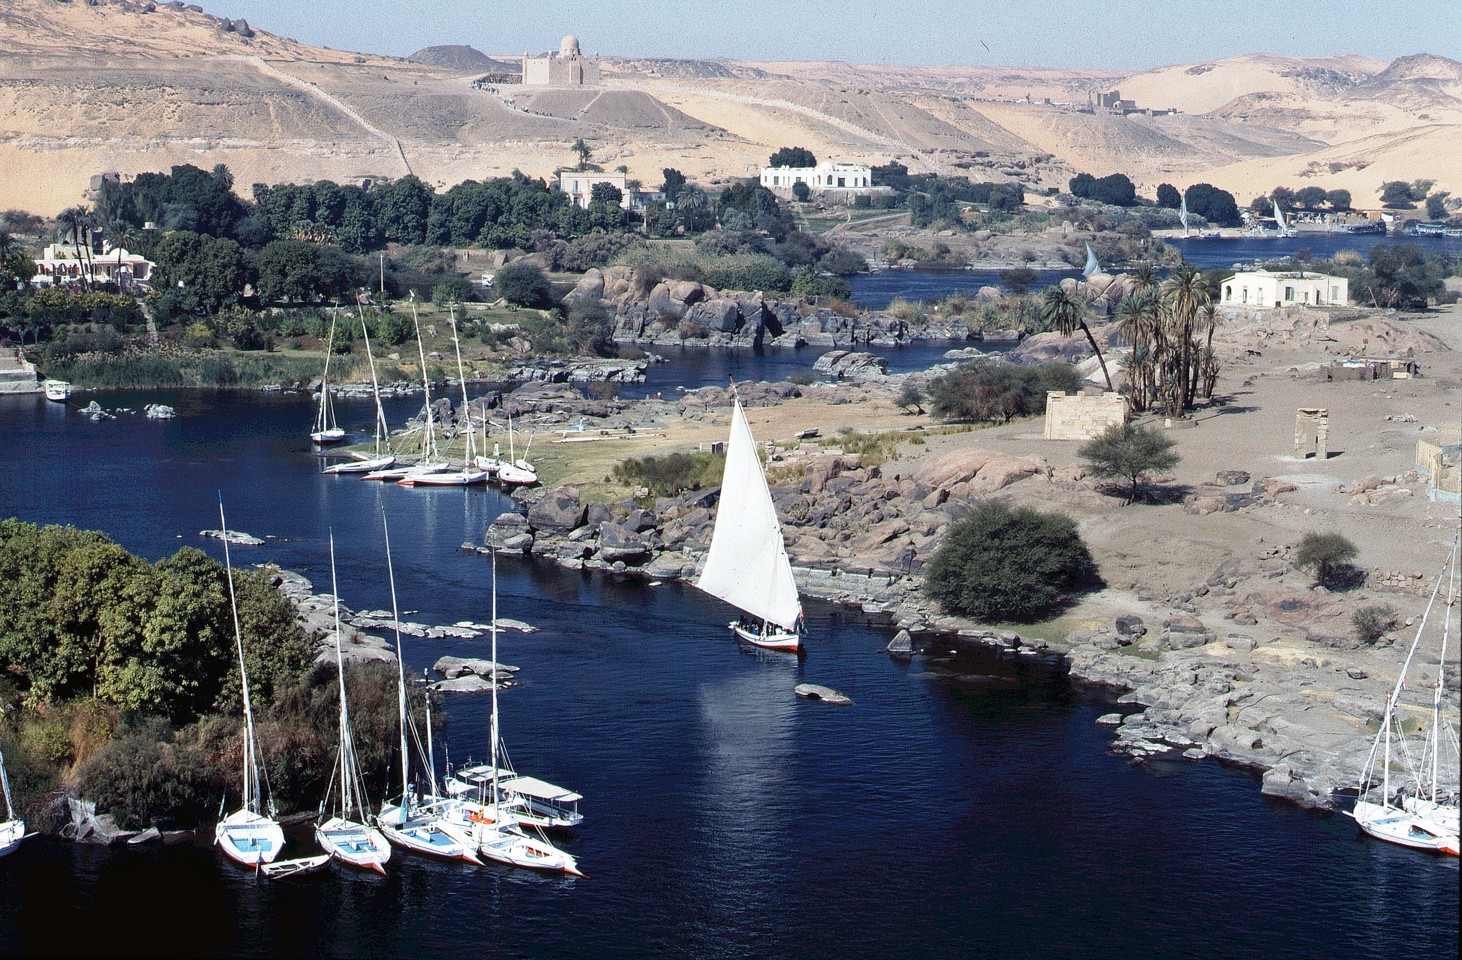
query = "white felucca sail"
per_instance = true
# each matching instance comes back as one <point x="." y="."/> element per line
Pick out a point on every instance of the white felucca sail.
<point x="747" y="564"/>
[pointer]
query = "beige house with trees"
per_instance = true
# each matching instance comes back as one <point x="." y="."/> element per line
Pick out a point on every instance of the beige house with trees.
<point x="1264" y="288"/>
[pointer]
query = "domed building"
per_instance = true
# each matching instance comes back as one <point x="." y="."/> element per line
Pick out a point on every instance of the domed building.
<point x="567" y="68"/>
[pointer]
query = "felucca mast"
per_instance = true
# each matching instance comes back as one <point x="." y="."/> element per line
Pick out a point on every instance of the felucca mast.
<point x="401" y="674"/>
<point x="251" y="766"/>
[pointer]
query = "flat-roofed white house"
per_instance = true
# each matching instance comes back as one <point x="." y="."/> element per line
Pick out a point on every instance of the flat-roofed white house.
<point x="62" y="263"/>
<point x="842" y="179"/>
<point x="1264" y="288"/>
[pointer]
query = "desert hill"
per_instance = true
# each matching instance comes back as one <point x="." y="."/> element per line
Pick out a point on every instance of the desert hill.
<point x="462" y="59"/>
<point x="131" y="86"/>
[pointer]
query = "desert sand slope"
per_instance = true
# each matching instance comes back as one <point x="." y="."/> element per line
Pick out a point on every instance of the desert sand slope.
<point x="130" y="86"/>
<point x="1205" y="87"/>
<point x="1360" y="166"/>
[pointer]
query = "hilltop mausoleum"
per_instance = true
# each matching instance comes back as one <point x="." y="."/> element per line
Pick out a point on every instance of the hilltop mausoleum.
<point x="567" y="68"/>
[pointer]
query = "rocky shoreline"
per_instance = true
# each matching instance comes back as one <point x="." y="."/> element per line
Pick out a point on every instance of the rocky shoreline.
<point x="1295" y="703"/>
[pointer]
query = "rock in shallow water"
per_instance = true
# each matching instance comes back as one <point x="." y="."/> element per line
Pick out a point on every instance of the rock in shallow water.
<point x="815" y="691"/>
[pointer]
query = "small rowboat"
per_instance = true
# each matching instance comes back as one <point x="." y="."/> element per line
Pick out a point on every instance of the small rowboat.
<point x="280" y="869"/>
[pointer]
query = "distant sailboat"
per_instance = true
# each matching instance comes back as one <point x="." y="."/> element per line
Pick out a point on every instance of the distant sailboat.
<point x="348" y="840"/>
<point x="427" y="461"/>
<point x="747" y="564"/>
<point x="247" y="836"/>
<point x="12" y="828"/>
<point x="1280" y="224"/>
<point x="1183" y="214"/>
<point x="1092" y="266"/>
<point x="326" y="432"/>
<point x="470" y="473"/>
<point x="515" y="471"/>
<point x="382" y="457"/>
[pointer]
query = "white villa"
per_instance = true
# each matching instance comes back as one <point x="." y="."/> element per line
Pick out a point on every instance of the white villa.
<point x="1262" y="288"/>
<point x="580" y="185"/>
<point x="843" y="180"/>
<point x="69" y="263"/>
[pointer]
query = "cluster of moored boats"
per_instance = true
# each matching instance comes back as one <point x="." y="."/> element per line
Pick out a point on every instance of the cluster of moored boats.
<point x="426" y="467"/>
<point x="482" y="812"/>
<point x="1403" y="799"/>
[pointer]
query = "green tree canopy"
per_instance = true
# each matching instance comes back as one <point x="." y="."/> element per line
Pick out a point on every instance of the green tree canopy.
<point x="1214" y="205"/>
<point x="1001" y="563"/>
<point x="792" y="157"/>
<point x="1168" y="196"/>
<point x="1324" y="554"/>
<point x="208" y="273"/>
<point x="1128" y="452"/>
<point x="294" y="271"/>
<point x="524" y="284"/>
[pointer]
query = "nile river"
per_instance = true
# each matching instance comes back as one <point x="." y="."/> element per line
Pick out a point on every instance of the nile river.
<point x="724" y="817"/>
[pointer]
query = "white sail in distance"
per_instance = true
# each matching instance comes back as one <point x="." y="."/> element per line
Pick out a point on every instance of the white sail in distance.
<point x="1092" y="266"/>
<point x="747" y="564"/>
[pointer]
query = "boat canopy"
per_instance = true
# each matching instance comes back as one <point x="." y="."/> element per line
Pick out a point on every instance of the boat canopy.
<point x="527" y="786"/>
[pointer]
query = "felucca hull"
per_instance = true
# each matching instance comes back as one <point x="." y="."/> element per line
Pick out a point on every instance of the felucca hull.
<point x="354" y="843"/>
<point x="324" y="438"/>
<point x="427" y="835"/>
<point x="11" y="833"/>
<point x="249" y="839"/>
<point x="771" y="640"/>
<point x="1404" y="829"/>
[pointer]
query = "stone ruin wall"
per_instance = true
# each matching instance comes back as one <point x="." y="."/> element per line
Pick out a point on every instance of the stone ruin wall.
<point x="1082" y="416"/>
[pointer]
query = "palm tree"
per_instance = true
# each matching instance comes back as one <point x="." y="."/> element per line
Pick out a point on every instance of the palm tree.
<point x="1186" y="293"/>
<point x="582" y="149"/>
<point x="120" y="232"/>
<point x="1067" y="314"/>
<point x="75" y="222"/>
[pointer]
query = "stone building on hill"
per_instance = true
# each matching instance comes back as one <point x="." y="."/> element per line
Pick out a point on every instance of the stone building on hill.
<point x="567" y="68"/>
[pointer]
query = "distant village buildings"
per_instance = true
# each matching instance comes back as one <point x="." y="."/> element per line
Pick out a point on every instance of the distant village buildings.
<point x="838" y="181"/>
<point x="63" y="263"/>
<point x="567" y="68"/>
<point x="1263" y="288"/>
<point x="1111" y="102"/>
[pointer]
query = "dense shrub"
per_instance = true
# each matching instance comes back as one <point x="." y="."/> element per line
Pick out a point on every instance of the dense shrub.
<point x="1373" y="622"/>
<point x="983" y="390"/>
<point x="1008" y="563"/>
<point x="673" y="473"/>
<point x="1326" y="555"/>
<point x="524" y="284"/>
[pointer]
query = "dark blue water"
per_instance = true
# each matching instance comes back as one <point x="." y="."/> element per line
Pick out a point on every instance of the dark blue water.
<point x="725" y="818"/>
<point x="878" y="289"/>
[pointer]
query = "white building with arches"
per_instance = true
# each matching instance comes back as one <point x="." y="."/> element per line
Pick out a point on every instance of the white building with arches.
<point x="1267" y="289"/>
<point x="844" y="180"/>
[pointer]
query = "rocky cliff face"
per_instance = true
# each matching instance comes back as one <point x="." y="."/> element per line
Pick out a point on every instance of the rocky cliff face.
<point x="684" y="312"/>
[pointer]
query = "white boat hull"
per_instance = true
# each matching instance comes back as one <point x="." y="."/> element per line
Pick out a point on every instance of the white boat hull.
<point x="1406" y="829"/>
<point x="513" y="476"/>
<point x="280" y="869"/>
<point x="362" y="466"/>
<point x="248" y="838"/>
<point x="326" y="437"/>
<point x="354" y="843"/>
<point x="507" y="844"/>
<point x="447" y="478"/>
<point x="11" y="833"/>
<point x="427" y="834"/>
<point x="773" y="639"/>
<point x="57" y="390"/>
<point x="555" y="807"/>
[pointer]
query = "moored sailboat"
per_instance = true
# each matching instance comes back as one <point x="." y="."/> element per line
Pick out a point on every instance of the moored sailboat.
<point x="469" y="473"/>
<point x="247" y="836"/>
<point x="12" y="828"/>
<point x="492" y="819"/>
<point x="416" y="825"/>
<point x="747" y="564"/>
<point x="326" y="431"/>
<point x="348" y="840"/>
<point x="381" y="458"/>
<point x="1419" y="813"/>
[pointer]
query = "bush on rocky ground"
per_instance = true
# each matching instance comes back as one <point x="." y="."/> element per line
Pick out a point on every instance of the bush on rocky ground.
<point x="1003" y="563"/>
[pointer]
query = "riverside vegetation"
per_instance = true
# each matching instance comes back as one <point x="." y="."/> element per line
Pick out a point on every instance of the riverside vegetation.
<point x="119" y="683"/>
